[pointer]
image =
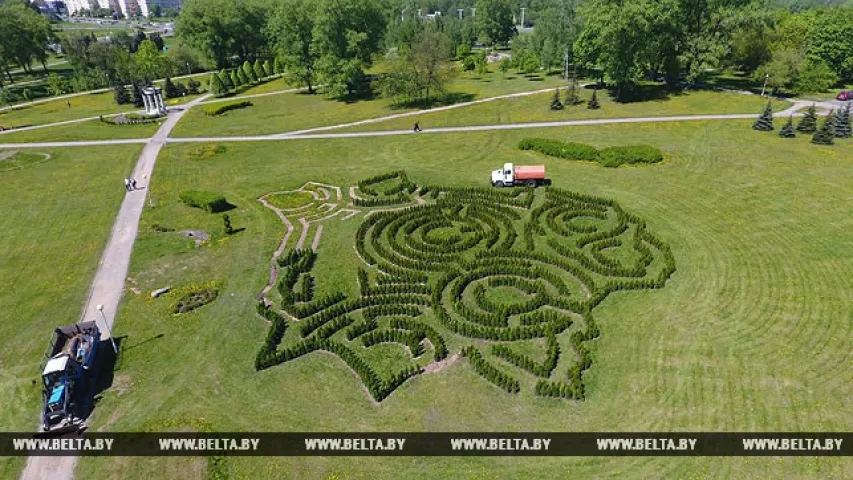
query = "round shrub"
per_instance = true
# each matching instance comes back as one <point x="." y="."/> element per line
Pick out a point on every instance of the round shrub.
<point x="209" y="201"/>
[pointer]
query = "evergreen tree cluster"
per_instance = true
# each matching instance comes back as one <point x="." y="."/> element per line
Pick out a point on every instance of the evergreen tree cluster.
<point x="826" y="134"/>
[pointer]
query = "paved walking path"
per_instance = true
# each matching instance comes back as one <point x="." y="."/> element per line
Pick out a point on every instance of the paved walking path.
<point x="66" y="122"/>
<point x="108" y="285"/>
<point x="471" y="128"/>
<point x="87" y="92"/>
<point x="423" y="112"/>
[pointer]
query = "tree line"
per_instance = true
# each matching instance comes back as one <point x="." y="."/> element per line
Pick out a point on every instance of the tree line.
<point x="795" y="46"/>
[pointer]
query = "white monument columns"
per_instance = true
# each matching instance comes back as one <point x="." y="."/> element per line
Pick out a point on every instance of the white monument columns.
<point x="152" y="97"/>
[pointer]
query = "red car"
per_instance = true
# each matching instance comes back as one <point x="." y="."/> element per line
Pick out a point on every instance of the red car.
<point x="844" y="96"/>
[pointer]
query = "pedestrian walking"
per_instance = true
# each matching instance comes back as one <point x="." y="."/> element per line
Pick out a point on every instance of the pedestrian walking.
<point x="127" y="184"/>
<point x="68" y="103"/>
<point x="417" y="127"/>
<point x="133" y="184"/>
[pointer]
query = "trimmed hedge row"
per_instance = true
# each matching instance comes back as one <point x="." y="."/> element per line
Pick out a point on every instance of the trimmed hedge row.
<point x="629" y="155"/>
<point x="556" y="148"/>
<point x="607" y="157"/>
<point x="208" y="201"/>
<point x="488" y="371"/>
<point x="525" y="362"/>
<point x="220" y="108"/>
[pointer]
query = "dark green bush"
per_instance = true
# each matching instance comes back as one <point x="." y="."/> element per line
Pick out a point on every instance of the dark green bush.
<point x="556" y="148"/>
<point x="209" y="201"/>
<point x="219" y="109"/>
<point x="615" y="156"/>
<point x="608" y="157"/>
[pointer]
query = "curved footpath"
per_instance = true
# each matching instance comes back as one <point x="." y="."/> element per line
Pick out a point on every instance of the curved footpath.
<point x="108" y="284"/>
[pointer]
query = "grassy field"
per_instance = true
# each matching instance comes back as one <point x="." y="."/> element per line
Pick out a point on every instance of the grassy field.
<point x="55" y="217"/>
<point x="751" y="333"/>
<point x="82" y="106"/>
<point x="88" y="130"/>
<point x="294" y="111"/>
<point x="535" y="108"/>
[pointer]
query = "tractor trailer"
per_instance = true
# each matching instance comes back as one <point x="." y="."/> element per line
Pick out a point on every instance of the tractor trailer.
<point x="69" y="359"/>
<point x="521" y="175"/>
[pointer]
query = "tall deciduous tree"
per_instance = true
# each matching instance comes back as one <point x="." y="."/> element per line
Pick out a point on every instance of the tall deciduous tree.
<point x="495" y="21"/>
<point x="291" y="29"/>
<point x="25" y="34"/>
<point x="149" y="64"/>
<point x="705" y="29"/>
<point x="223" y="29"/>
<point x="422" y="70"/>
<point x="615" y="39"/>
<point x="347" y="33"/>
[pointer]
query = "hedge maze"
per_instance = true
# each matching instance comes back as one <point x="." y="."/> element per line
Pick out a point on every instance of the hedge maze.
<point x="506" y="278"/>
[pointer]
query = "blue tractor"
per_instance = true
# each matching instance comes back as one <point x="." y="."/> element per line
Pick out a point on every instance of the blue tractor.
<point x="69" y="359"/>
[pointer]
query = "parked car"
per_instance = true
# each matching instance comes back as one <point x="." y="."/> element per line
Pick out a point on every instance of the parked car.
<point x="844" y="96"/>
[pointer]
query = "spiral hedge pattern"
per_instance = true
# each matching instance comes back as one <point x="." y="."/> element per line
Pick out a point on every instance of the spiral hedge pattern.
<point x="511" y="268"/>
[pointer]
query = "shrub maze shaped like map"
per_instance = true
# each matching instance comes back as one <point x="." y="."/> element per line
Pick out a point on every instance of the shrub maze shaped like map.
<point x="493" y="275"/>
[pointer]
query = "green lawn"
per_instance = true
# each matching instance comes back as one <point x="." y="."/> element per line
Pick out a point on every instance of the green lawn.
<point x="752" y="332"/>
<point x="88" y="130"/>
<point x="55" y="218"/>
<point x="89" y="105"/>
<point x="295" y="111"/>
<point x="535" y="108"/>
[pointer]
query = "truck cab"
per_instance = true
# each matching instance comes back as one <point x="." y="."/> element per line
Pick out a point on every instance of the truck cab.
<point x="58" y="380"/>
<point x="521" y="175"/>
<point x="503" y="177"/>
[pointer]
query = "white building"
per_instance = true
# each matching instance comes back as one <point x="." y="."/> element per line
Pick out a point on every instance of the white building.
<point x="126" y="8"/>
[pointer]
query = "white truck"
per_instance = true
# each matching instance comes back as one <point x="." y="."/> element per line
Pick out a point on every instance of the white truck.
<point x="521" y="175"/>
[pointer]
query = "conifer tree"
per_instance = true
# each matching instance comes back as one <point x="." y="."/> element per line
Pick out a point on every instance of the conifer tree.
<point x="826" y="134"/>
<point x="788" y="130"/>
<point x="842" y="123"/>
<point x="193" y="86"/>
<point x="593" y="101"/>
<point x="268" y="72"/>
<point x="249" y="72"/>
<point x="258" y="69"/>
<point x="235" y="79"/>
<point x="276" y="66"/>
<point x="241" y="75"/>
<point x="216" y="87"/>
<point x="572" y="97"/>
<point x="121" y="95"/>
<point x="555" y="101"/>
<point x="169" y="89"/>
<point x="137" y="95"/>
<point x="809" y="122"/>
<point x="226" y="80"/>
<point x="765" y="121"/>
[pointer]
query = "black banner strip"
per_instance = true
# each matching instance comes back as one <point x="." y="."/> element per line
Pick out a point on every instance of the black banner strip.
<point x="430" y="444"/>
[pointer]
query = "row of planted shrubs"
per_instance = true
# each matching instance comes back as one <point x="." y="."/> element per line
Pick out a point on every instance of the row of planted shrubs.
<point x="403" y="293"/>
<point x="608" y="157"/>
<point x="489" y="371"/>
<point x="220" y="108"/>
